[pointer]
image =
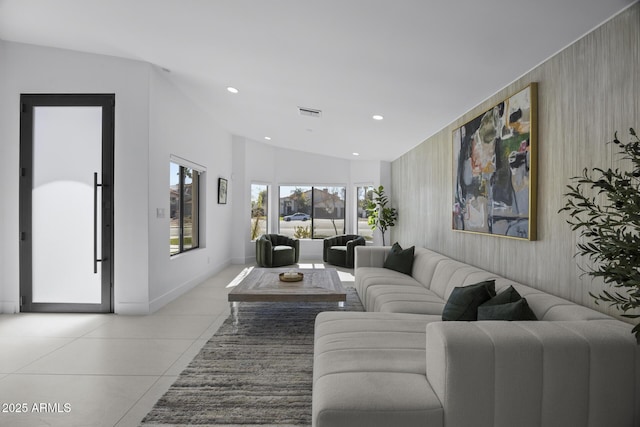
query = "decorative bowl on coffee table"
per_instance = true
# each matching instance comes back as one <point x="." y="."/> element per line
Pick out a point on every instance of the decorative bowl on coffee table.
<point x="291" y="277"/>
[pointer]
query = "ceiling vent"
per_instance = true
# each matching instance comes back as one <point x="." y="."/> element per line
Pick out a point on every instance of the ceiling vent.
<point x="309" y="112"/>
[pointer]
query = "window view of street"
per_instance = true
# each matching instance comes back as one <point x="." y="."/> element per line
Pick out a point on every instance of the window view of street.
<point x="259" y="210"/>
<point x="364" y="194"/>
<point x="308" y="212"/>
<point x="183" y="207"/>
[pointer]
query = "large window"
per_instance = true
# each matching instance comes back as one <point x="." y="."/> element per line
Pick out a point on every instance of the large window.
<point x="364" y="194"/>
<point x="311" y="212"/>
<point x="259" y="210"/>
<point x="184" y="189"/>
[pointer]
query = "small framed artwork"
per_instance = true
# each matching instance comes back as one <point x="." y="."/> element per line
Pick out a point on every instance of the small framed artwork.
<point x="494" y="169"/>
<point x="222" y="191"/>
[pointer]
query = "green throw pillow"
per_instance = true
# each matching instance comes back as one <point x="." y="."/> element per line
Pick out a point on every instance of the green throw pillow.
<point x="504" y="297"/>
<point x="399" y="259"/>
<point x="518" y="310"/>
<point x="464" y="301"/>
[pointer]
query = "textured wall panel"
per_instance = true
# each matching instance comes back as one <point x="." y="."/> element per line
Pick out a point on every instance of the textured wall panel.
<point x="585" y="93"/>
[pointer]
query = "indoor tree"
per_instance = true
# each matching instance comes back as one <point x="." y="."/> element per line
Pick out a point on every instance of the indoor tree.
<point x="604" y="206"/>
<point x="379" y="215"/>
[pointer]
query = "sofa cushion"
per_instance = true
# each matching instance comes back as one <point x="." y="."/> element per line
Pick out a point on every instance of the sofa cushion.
<point x="404" y="299"/>
<point x="399" y="259"/>
<point x="369" y="277"/>
<point x="283" y="255"/>
<point x="517" y="310"/>
<point x="369" y="370"/>
<point x="553" y="308"/>
<point x="464" y="301"/>
<point x="425" y="263"/>
<point x="539" y="373"/>
<point x="375" y="399"/>
<point x="336" y="255"/>
<point x="374" y="342"/>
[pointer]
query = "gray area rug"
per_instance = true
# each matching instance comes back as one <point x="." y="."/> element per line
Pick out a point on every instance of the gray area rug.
<point x="256" y="374"/>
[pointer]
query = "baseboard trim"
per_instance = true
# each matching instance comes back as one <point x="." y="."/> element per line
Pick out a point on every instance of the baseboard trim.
<point x="243" y="261"/>
<point x="9" y="307"/>
<point x="185" y="287"/>
<point x="131" y="308"/>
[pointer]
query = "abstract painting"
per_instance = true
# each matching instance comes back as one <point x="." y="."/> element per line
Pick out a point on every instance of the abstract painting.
<point x="494" y="169"/>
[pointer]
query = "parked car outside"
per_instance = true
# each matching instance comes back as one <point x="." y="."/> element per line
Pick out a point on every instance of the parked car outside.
<point x="298" y="216"/>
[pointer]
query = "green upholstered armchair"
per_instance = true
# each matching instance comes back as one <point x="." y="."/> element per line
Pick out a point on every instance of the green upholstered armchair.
<point x="340" y="250"/>
<point x="276" y="250"/>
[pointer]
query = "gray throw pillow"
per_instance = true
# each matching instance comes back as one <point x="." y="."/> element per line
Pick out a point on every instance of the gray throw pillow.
<point x="399" y="259"/>
<point x="464" y="301"/>
<point x="518" y="310"/>
<point x="504" y="297"/>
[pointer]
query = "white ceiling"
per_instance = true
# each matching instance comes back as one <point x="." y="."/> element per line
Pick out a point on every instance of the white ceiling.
<point x="419" y="63"/>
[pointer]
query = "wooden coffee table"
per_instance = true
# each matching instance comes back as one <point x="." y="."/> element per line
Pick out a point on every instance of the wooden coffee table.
<point x="264" y="285"/>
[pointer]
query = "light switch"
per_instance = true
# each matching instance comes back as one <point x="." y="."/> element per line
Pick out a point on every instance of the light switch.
<point x="159" y="212"/>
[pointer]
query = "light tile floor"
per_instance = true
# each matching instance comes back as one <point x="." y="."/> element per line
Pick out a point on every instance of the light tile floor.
<point x="105" y="370"/>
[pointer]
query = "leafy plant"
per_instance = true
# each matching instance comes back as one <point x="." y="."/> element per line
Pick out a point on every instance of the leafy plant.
<point x="301" y="232"/>
<point x="378" y="214"/>
<point x="604" y="205"/>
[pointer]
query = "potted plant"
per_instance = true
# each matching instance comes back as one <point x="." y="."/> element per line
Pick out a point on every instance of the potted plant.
<point x="604" y="206"/>
<point x="378" y="214"/>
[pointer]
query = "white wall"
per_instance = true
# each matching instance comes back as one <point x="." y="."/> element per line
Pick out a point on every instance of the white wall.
<point x="256" y="162"/>
<point x="242" y="200"/>
<point x="4" y="177"/>
<point x="178" y="127"/>
<point x="144" y="136"/>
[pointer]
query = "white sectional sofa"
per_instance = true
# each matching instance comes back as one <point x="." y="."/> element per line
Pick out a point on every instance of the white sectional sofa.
<point x="399" y="365"/>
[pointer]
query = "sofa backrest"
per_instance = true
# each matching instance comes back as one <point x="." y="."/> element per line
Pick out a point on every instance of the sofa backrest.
<point x="553" y="308"/>
<point x="441" y="275"/>
<point x="425" y="263"/>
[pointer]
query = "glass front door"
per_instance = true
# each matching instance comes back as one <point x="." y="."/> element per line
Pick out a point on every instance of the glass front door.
<point x="66" y="208"/>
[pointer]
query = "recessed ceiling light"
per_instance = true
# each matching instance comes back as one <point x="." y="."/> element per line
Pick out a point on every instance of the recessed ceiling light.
<point x="268" y="138"/>
<point x="377" y="117"/>
<point x="232" y="89"/>
<point x="356" y="154"/>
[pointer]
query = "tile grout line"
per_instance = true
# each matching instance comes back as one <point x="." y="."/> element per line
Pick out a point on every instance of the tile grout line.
<point x="72" y="340"/>
<point x="165" y="375"/>
<point x="138" y="401"/>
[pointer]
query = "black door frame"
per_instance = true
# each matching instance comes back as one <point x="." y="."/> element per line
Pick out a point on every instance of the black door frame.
<point x="27" y="104"/>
